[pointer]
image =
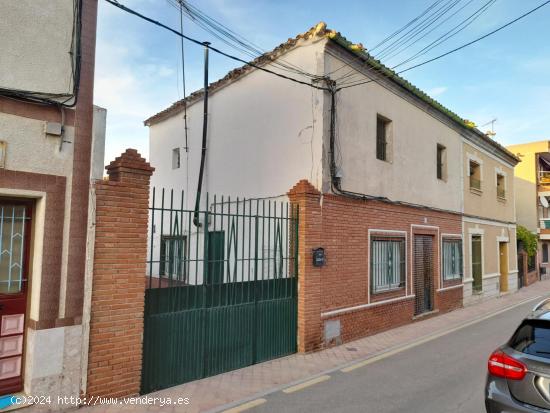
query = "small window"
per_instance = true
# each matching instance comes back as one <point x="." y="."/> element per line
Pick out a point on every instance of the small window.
<point x="545" y="252"/>
<point x="387" y="264"/>
<point x="175" y="158"/>
<point x="173" y="257"/>
<point x="452" y="260"/>
<point x="441" y="162"/>
<point x="382" y="137"/>
<point x="501" y="186"/>
<point x="475" y="175"/>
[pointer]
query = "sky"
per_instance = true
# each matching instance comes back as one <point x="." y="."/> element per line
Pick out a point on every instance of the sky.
<point x="504" y="77"/>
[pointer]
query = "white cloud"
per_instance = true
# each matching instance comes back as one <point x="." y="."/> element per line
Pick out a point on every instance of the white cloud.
<point x="437" y="91"/>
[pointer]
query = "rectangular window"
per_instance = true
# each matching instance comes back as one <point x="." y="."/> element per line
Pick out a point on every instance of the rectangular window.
<point x="545" y="252"/>
<point x="441" y="162"/>
<point x="501" y="187"/>
<point x="452" y="260"/>
<point x="382" y="135"/>
<point x="175" y="158"/>
<point x="532" y="337"/>
<point x="387" y="264"/>
<point x="173" y="256"/>
<point x="475" y="175"/>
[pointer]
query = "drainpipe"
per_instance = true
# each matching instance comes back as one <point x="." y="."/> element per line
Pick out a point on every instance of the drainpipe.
<point x="196" y="221"/>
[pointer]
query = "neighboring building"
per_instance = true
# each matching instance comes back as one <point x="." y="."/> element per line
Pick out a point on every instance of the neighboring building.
<point x="532" y="180"/>
<point x="489" y="221"/>
<point x="390" y="170"/>
<point x="51" y="139"/>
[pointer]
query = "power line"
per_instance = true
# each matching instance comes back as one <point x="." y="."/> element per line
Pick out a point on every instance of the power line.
<point x="419" y="28"/>
<point x="231" y="38"/>
<point x="457" y="48"/>
<point x="398" y="52"/>
<point x="451" y="33"/>
<point x="391" y="36"/>
<point x="214" y="49"/>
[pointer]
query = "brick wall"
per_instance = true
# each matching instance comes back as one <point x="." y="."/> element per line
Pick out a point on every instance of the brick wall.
<point x="116" y="325"/>
<point x="341" y="290"/>
<point x="529" y="277"/>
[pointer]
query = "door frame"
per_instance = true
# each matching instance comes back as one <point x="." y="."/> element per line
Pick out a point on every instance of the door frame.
<point x="17" y="383"/>
<point x="503" y="278"/>
<point x="434" y="232"/>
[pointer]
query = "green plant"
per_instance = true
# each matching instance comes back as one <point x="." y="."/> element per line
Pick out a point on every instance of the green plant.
<point x="528" y="239"/>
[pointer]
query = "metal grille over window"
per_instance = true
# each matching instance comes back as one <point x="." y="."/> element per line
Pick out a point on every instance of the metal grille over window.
<point x="12" y="239"/>
<point x="452" y="260"/>
<point x="388" y="264"/>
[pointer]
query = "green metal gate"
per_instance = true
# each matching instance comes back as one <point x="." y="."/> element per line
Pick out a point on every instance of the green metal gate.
<point x="222" y="287"/>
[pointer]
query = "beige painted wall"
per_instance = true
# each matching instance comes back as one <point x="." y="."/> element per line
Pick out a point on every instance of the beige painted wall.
<point x="411" y="174"/>
<point x="34" y="59"/>
<point x="491" y="235"/>
<point x="526" y="182"/>
<point x="485" y="203"/>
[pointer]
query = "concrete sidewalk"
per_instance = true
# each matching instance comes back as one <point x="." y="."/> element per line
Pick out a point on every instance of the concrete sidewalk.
<point x="233" y="388"/>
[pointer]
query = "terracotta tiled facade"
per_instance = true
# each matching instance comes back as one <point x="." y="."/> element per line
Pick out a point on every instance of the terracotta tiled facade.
<point x="341" y="289"/>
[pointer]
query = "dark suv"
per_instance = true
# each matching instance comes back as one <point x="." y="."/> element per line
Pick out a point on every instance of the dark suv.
<point x="519" y="371"/>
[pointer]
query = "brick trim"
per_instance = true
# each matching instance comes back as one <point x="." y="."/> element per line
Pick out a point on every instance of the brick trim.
<point x="119" y="269"/>
<point x="35" y="111"/>
<point x="54" y="187"/>
<point x="74" y="297"/>
<point x="340" y="290"/>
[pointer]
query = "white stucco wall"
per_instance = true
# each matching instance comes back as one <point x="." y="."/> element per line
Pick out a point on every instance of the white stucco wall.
<point x="410" y="175"/>
<point x="264" y="134"/>
<point x="34" y="58"/>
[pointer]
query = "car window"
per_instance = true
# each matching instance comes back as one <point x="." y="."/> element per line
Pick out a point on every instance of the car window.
<point x="532" y="337"/>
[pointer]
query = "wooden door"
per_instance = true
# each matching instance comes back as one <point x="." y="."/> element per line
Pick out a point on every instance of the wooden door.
<point x="15" y="225"/>
<point x="503" y="257"/>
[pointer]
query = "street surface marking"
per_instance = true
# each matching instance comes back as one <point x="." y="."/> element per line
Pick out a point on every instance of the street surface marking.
<point x="305" y="384"/>
<point x="430" y="338"/>
<point x="245" y="406"/>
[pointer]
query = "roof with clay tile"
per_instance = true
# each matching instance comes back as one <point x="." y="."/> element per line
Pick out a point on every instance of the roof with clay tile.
<point x="320" y="30"/>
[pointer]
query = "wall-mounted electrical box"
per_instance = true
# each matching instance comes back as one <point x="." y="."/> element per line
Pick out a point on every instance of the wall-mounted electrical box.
<point x="319" y="257"/>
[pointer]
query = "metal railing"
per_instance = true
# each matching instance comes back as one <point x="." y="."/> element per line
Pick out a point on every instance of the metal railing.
<point x="545" y="223"/>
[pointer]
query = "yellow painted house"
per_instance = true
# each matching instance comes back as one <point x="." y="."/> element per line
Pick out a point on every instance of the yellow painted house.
<point x="532" y="181"/>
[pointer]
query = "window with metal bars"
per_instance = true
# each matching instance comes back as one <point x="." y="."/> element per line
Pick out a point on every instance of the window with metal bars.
<point x="173" y="257"/>
<point x="452" y="259"/>
<point x="14" y="231"/>
<point x="382" y="134"/>
<point x="387" y="264"/>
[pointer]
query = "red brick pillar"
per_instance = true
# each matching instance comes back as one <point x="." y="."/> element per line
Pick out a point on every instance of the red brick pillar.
<point x="116" y="323"/>
<point x="307" y="197"/>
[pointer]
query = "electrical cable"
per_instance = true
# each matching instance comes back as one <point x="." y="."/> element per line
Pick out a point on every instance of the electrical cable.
<point x="214" y="49"/>
<point x="451" y="33"/>
<point x="457" y="48"/>
<point x="231" y="38"/>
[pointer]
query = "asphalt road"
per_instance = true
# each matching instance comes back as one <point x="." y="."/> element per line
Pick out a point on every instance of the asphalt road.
<point x="443" y="375"/>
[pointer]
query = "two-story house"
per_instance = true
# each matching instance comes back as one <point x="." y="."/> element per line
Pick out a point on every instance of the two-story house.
<point x="532" y="180"/>
<point x="51" y="145"/>
<point x="489" y="220"/>
<point x="387" y="165"/>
